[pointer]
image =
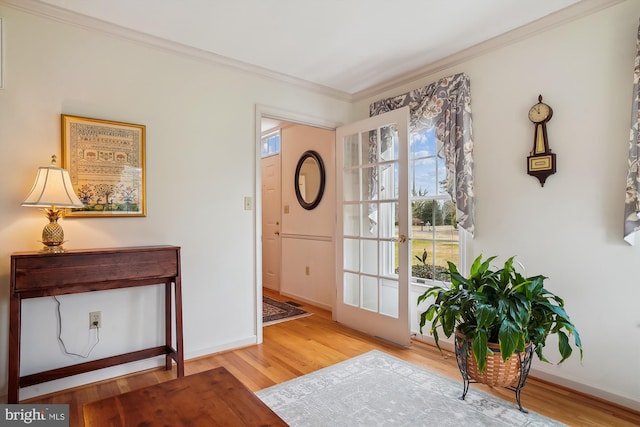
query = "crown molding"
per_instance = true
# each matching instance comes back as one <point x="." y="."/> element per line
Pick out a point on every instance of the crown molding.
<point x="571" y="13"/>
<point x="58" y="14"/>
<point x="561" y="17"/>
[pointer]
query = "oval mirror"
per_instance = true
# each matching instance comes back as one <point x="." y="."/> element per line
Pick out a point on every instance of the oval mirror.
<point x="309" y="179"/>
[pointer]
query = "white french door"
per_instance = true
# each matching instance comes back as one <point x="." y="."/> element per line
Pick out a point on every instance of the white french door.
<point x="373" y="225"/>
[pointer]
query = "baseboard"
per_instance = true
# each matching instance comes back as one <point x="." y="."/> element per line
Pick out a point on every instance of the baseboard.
<point x="87" y="378"/>
<point x="574" y="386"/>
<point x="229" y="345"/>
<point x="587" y="390"/>
<point x="113" y="372"/>
<point x="308" y="301"/>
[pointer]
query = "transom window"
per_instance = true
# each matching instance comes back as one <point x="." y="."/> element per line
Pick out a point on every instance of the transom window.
<point x="270" y="144"/>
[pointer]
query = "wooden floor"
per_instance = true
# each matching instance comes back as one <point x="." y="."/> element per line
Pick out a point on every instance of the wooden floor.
<point x="300" y="346"/>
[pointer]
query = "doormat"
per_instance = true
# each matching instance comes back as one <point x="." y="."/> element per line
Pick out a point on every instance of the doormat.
<point x="277" y="311"/>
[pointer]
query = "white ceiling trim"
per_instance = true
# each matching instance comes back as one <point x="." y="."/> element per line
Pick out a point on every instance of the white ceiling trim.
<point x="573" y="12"/>
<point x="46" y="10"/>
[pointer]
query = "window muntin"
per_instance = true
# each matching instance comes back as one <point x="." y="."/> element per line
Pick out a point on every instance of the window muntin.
<point x="434" y="232"/>
<point x="370" y="212"/>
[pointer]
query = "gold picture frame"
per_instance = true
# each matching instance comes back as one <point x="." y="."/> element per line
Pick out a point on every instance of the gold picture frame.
<point x="106" y="163"/>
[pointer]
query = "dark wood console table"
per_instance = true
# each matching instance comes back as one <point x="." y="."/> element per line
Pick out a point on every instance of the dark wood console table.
<point x="210" y="398"/>
<point x="40" y="274"/>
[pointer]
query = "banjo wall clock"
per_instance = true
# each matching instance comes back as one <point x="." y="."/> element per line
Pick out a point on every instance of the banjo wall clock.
<point x="541" y="162"/>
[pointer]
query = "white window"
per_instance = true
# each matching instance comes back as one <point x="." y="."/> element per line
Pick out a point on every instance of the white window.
<point x="270" y="144"/>
<point x="434" y="234"/>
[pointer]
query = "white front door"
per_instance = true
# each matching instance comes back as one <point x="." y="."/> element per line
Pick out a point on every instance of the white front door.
<point x="271" y="194"/>
<point x="373" y="225"/>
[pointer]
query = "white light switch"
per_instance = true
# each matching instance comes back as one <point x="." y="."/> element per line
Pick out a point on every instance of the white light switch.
<point x="248" y="203"/>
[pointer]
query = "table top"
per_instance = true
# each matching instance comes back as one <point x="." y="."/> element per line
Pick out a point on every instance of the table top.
<point x="210" y="398"/>
<point x="40" y="253"/>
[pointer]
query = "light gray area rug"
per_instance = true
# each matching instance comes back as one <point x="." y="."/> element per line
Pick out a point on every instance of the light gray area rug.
<point x="377" y="389"/>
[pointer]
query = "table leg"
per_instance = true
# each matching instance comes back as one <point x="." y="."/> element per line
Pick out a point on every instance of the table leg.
<point x="179" y="341"/>
<point x="167" y="323"/>
<point x="14" y="348"/>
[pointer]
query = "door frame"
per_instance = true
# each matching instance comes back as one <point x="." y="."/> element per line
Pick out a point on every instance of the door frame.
<point x="271" y="112"/>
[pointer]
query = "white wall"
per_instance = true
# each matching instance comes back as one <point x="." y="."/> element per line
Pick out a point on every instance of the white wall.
<point x="308" y="246"/>
<point x="570" y="230"/>
<point x="201" y="162"/>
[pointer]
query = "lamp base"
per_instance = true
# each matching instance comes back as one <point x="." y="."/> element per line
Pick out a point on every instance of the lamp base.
<point x="52" y="249"/>
<point x="52" y="234"/>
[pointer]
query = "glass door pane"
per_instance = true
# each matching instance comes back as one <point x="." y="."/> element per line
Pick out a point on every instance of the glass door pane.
<point x="373" y="190"/>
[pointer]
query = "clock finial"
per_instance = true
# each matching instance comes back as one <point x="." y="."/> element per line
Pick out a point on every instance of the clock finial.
<point x="539" y="98"/>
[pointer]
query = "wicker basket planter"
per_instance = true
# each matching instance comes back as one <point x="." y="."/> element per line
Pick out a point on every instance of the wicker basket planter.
<point x="490" y="303"/>
<point x="511" y="374"/>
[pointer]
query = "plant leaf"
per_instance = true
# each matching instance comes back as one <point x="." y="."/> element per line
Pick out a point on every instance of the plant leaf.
<point x="511" y="339"/>
<point x="485" y="315"/>
<point x="563" y="346"/>
<point x="539" y="353"/>
<point x="480" y="349"/>
<point x="448" y="321"/>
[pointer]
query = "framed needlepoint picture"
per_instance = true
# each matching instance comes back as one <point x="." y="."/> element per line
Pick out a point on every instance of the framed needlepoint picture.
<point x="106" y="163"/>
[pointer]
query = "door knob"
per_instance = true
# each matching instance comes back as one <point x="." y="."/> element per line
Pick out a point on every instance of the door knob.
<point x="277" y="233"/>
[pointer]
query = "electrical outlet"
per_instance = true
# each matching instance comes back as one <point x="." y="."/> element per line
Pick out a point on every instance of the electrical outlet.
<point x="95" y="319"/>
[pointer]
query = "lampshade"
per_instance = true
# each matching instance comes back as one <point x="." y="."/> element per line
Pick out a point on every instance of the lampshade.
<point x="52" y="188"/>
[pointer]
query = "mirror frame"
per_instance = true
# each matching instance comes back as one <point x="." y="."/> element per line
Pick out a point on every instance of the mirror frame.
<point x="310" y="154"/>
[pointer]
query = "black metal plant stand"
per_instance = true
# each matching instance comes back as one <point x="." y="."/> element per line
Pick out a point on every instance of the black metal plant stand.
<point x="463" y="352"/>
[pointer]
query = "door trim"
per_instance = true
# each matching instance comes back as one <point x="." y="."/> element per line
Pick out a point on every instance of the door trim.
<point x="270" y="112"/>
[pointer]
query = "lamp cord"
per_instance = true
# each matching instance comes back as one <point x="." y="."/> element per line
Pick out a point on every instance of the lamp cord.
<point x="61" y="341"/>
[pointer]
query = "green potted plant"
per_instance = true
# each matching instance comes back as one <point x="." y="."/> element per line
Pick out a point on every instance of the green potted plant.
<point x="497" y="313"/>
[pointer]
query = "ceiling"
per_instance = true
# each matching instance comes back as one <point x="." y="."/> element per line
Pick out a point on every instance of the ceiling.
<point x="344" y="46"/>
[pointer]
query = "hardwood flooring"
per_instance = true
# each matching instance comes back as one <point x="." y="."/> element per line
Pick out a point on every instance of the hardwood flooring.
<point x="297" y="347"/>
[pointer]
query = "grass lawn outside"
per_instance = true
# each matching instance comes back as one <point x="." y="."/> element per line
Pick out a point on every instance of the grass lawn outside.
<point x="445" y="245"/>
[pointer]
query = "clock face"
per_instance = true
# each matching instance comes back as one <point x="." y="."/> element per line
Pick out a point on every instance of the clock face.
<point x="539" y="113"/>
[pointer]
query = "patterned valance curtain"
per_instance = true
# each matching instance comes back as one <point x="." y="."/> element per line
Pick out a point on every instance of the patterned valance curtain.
<point x="632" y="203"/>
<point x="445" y="105"/>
